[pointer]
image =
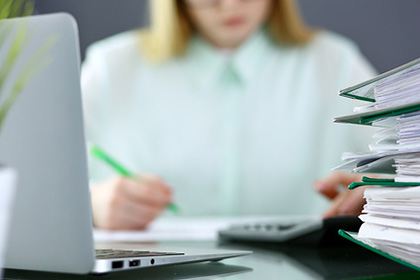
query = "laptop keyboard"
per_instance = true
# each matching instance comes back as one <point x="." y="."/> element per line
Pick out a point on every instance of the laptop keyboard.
<point x="115" y="254"/>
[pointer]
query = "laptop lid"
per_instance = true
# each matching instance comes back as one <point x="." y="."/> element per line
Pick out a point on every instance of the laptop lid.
<point x="43" y="139"/>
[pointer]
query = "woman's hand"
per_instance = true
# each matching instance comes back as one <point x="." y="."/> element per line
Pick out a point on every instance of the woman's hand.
<point x="344" y="201"/>
<point x="128" y="203"/>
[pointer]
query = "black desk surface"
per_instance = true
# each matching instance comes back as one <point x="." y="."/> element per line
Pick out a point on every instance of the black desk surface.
<point x="344" y="261"/>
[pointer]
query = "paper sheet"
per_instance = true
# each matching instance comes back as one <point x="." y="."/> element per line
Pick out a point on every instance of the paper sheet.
<point x="399" y="235"/>
<point x="7" y="190"/>
<point x="398" y="90"/>
<point x="185" y="229"/>
<point x="405" y="252"/>
<point x="387" y="222"/>
<point x="170" y="229"/>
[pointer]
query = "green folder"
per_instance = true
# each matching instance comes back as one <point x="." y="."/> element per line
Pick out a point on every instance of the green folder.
<point x="366" y="181"/>
<point x="352" y="236"/>
<point x="364" y="91"/>
<point x="367" y="118"/>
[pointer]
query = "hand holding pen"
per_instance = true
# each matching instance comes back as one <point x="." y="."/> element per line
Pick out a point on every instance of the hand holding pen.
<point x="128" y="201"/>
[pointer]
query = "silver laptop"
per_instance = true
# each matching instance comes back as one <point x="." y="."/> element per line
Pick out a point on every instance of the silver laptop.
<point x="43" y="139"/>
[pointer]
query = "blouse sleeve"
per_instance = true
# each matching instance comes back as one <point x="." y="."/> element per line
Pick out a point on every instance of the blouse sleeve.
<point x="343" y="65"/>
<point x="95" y="97"/>
<point x="359" y="70"/>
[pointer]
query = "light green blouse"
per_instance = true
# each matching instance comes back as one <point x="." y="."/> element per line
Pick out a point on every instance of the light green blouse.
<point x="241" y="133"/>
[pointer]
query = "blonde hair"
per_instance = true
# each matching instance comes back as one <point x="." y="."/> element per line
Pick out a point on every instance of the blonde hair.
<point x="170" y="29"/>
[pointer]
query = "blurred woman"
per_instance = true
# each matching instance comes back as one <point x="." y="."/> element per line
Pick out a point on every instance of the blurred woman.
<point x="225" y="107"/>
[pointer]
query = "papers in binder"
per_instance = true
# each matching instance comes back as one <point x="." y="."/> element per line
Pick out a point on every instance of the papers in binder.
<point x="406" y="255"/>
<point x="366" y="91"/>
<point x="391" y="222"/>
<point x="391" y="215"/>
<point x="396" y="150"/>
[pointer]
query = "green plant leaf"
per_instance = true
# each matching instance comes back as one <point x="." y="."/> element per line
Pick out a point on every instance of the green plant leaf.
<point x="33" y="66"/>
<point x="12" y="55"/>
<point x="36" y="64"/>
<point x="16" y="8"/>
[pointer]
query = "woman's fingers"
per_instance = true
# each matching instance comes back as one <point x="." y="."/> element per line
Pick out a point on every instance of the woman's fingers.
<point x="126" y="203"/>
<point x="349" y="202"/>
<point x="331" y="186"/>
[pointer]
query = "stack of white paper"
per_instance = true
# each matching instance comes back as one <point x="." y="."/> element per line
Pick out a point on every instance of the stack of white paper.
<point x="391" y="214"/>
<point x="391" y="219"/>
<point x="396" y="148"/>
<point x="394" y="105"/>
<point x="398" y="90"/>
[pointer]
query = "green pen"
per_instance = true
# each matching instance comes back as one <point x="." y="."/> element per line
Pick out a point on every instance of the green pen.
<point x="100" y="154"/>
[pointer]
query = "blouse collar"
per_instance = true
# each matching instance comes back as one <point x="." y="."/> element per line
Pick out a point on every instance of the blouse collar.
<point x="212" y="65"/>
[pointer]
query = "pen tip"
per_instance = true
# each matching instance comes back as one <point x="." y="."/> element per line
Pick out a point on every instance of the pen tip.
<point x="173" y="208"/>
